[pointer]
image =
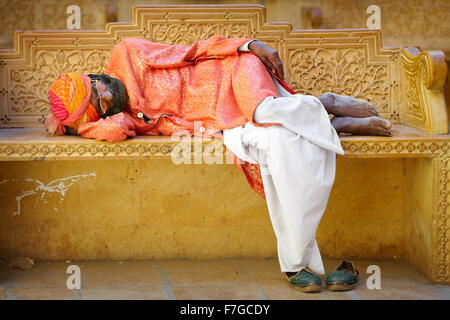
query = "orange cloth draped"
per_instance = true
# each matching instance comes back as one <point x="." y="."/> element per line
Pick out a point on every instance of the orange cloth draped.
<point x="69" y="99"/>
<point x="209" y="83"/>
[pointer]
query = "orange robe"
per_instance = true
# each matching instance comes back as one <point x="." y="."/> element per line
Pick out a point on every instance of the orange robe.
<point x="209" y="82"/>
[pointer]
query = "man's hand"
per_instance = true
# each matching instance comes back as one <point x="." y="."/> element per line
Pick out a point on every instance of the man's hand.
<point x="268" y="56"/>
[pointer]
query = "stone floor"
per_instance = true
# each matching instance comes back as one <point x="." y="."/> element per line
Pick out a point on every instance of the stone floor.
<point x="204" y="279"/>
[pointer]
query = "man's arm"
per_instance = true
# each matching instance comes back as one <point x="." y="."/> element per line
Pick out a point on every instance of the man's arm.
<point x="112" y="129"/>
<point x="267" y="55"/>
<point x="116" y="128"/>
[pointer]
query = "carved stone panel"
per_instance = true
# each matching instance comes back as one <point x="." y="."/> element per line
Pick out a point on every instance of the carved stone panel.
<point x="344" y="71"/>
<point x="28" y="86"/>
<point x="189" y="33"/>
<point x="441" y="225"/>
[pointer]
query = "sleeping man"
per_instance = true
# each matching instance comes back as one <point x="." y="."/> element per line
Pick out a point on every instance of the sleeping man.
<point x="234" y="86"/>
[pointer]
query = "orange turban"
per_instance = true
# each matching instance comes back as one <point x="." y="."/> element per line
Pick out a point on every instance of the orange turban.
<point x="69" y="99"/>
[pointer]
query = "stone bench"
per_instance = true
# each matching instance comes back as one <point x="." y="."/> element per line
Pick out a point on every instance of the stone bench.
<point x="128" y="200"/>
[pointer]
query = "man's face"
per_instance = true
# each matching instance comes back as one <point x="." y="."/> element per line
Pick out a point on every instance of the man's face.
<point x="101" y="96"/>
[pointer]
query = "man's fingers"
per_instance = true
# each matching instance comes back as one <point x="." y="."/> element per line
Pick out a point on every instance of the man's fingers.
<point x="276" y="63"/>
<point x="278" y="66"/>
<point x="280" y="70"/>
<point x="266" y="62"/>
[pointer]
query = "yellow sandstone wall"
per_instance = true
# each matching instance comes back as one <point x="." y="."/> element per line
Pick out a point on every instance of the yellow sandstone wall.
<point x="138" y="209"/>
<point x="419" y="204"/>
<point x="56" y="210"/>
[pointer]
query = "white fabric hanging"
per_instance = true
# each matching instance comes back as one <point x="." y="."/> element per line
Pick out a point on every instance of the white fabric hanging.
<point x="298" y="163"/>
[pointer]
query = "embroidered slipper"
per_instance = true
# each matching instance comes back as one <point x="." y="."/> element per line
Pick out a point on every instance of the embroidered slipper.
<point x="344" y="277"/>
<point x="305" y="280"/>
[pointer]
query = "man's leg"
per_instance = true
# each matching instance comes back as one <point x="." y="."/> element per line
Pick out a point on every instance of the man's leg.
<point x="355" y="116"/>
<point x="371" y="126"/>
<point x="346" y="106"/>
<point x="302" y="114"/>
<point x="298" y="177"/>
<point x="297" y="162"/>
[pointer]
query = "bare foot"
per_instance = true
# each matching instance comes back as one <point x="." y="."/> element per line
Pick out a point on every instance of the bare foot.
<point x="345" y="106"/>
<point x="370" y="126"/>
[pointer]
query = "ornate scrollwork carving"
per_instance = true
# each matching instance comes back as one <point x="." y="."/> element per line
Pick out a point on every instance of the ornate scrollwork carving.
<point x="423" y="79"/>
<point x="130" y="148"/>
<point x="442" y="224"/>
<point x="188" y="33"/>
<point x="412" y="103"/>
<point x="28" y="93"/>
<point x="343" y="71"/>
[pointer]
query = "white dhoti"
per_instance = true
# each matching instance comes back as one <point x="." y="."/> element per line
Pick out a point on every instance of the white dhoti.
<point x="298" y="163"/>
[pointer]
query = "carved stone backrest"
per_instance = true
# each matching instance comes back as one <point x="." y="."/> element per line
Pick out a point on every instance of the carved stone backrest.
<point x="349" y="62"/>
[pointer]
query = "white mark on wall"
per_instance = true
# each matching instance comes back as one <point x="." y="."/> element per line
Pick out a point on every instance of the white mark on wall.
<point x="59" y="186"/>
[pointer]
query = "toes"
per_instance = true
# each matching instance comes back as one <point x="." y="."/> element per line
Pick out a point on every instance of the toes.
<point x="388" y="132"/>
<point x="384" y="133"/>
<point x="387" y="124"/>
<point x="384" y="127"/>
<point x="373" y="109"/>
